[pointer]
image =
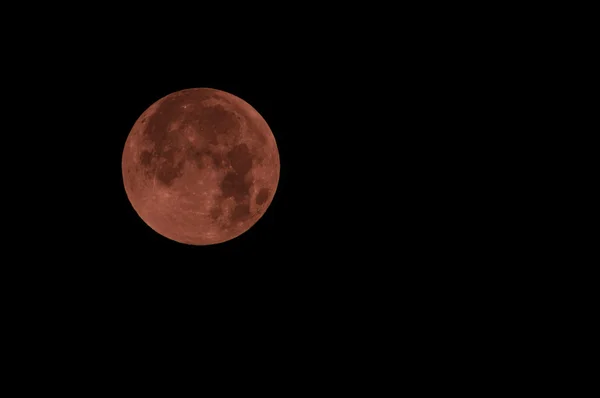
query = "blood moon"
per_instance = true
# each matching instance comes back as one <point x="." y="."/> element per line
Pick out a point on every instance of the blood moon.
<point x="200" y="166"/>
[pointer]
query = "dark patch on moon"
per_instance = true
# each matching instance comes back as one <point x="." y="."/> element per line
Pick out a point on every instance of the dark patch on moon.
<point x="241" y="212"/>
<point x="213" y="121"/>
<point x="205" y="157"/>
<point x="262" y="196"/>
<point x="156" y="130"/>
<point x="215" y="212"/>
<point x="209" y="122"/>
<point x="240" y="158"/>
<point x="167" y="172"/>
<point x="219" y="161"/>
<point x="198" y="157"/>
<point x="234" y="185"/>
<point x="146" y="158"/>
<point x="162" y="165"/>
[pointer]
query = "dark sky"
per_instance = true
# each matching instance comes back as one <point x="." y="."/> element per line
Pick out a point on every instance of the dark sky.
<point x="374" y="131"/>
<point x="391" y="217"/>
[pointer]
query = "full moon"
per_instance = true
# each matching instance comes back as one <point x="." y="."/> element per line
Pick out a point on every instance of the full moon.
<point x="200" y="166"/>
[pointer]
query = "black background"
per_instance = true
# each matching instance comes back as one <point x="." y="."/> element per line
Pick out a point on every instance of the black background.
<point x="378" y="123"/>
<point x="371" y="172"/>
<point x="383" y="129"/>
<point x="403" y="229"/>
<point x="391" y="229"/>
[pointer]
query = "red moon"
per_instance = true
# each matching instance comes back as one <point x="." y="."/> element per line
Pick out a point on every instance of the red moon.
<point x="200" y="166"/>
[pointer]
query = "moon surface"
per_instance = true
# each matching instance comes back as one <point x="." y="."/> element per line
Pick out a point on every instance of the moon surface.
<point x="200" y="166"/>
